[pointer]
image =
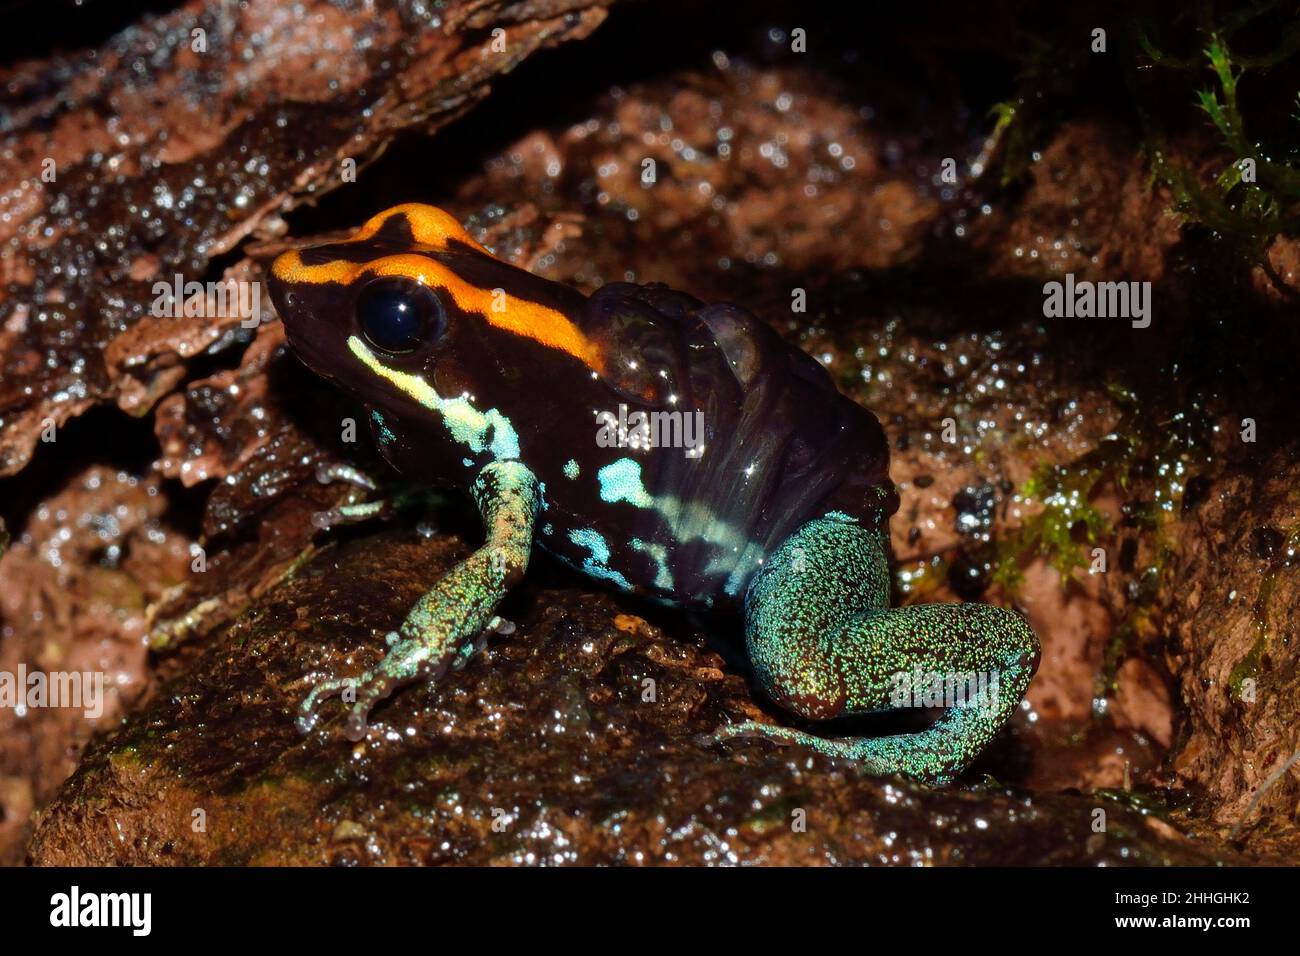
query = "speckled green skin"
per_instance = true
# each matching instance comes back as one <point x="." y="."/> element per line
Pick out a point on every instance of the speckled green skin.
<point x="824" y="643"/>
<point x="447" y="622"/>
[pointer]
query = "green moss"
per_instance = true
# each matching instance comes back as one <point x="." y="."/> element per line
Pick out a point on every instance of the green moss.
<point x="1230" y="88"/>
<point x="1055" y="532"/>
<point x="1046" y="74"/>
<point x="1148" y="458"/>
<point x="1252" y="198"/>
<point x="1145" y="801"/>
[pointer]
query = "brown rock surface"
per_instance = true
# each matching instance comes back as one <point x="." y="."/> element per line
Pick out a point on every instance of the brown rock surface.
<point x="1232" y="621"/>
<point x="568" y="741"/>
<point x="165" y="157"/>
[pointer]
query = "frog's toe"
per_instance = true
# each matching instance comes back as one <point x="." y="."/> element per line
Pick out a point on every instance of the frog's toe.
<point x="328" y="474"/>
<point x="356" y="512"/>
<point x="467" y="652"/>
<point x="750" y="729"/>
<point x="878" y="756"/>
<point x="348" y="514"/>
<point x="371" y="693"/>
<point x="307" y="710"/>
<point x="474" y="646"/>
<point x="407" y="661"/>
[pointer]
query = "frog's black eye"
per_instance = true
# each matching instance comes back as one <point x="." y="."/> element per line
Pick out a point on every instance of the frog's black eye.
<point x="398" y="315"/>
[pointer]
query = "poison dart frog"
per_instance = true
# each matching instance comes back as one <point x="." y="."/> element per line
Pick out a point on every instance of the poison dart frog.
<point x="672" y="449"/>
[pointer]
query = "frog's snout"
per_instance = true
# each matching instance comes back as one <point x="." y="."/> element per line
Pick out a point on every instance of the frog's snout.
<point x="298" y="306"/>
<point x="282" y="297"/>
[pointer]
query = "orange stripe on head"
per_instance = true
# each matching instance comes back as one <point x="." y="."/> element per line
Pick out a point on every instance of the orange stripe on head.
<point x="430" y="226"/>
<point x="518" y="316"/>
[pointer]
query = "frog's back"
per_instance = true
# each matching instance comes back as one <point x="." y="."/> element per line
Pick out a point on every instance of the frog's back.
<point x="751" y="440"/>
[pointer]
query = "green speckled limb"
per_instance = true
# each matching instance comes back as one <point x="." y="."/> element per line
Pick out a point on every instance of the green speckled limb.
<point x="825" y="643"/>
<point x="444" y="625"/>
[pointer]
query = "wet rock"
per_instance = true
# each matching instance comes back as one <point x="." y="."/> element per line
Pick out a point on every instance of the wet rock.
<point x="165" y="156"/>
<point x="75" y="585"/>
<point x="1089" y="209"/>
<point x="237" y="427"/>
<point x="556" y="745"/>
<point x="1232" y="612"/>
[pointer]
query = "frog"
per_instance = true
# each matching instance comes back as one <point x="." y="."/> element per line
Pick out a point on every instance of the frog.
<point x="677" y="451"/>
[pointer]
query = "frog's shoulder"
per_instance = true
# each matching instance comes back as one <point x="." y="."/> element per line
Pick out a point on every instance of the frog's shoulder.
<point x="643" y="334"/>
<point x="662" y="346"/>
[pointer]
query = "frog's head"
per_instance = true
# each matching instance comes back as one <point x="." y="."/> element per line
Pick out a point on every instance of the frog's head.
<point x="410" y="313"/>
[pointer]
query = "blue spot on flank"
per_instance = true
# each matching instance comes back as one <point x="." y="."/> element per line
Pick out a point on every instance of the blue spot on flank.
<point x="598" y="564"/>
<point x="548" y="529"/>
<point x="659" y="554"/>
<point x="571" y="469"/>
<point x="467" y="462"/>
<point x="621" y="481"/>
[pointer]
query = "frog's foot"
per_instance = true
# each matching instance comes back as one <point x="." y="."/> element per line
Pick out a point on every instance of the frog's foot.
<point x="307" y="710"/>
<point x="354" y="512"/>
<point x="471" y="648"/>
<point x="406" y="662"/>
<point x="450" y="623"/>
<point x="911" y="755"/>
<point x="350" y="514"/>
<point x="167" y="632"/>
<point x="750" y="730"/>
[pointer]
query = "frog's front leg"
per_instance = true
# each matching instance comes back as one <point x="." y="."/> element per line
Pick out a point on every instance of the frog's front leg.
<point x="444" y="623"/>
<point x="825" y="643"/>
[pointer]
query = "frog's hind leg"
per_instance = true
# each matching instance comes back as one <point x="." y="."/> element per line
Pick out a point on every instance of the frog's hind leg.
<point x="824" y="643"/>
<point x="443" y="627"/>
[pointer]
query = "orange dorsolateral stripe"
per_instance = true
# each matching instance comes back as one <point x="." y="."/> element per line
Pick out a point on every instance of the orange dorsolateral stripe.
<point x="518" y="316"/>
<point x="430" y="226"/>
